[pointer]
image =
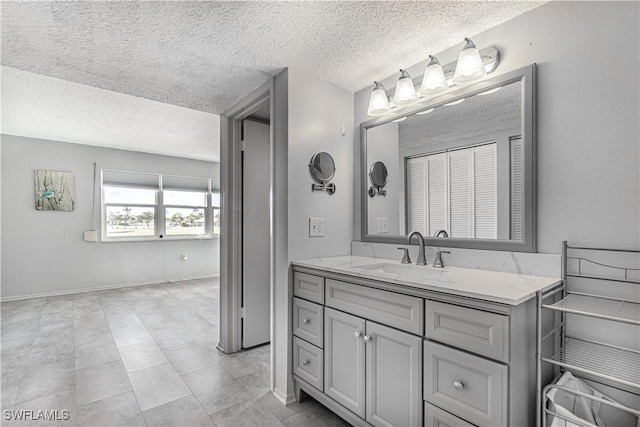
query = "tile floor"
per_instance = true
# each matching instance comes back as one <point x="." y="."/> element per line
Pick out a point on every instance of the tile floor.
<point x="140" y="356"/>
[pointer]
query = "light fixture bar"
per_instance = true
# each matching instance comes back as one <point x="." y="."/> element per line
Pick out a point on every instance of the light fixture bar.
<point x="490" y="59"/>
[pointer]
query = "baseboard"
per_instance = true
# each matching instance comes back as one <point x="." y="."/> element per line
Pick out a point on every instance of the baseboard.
<point x="284" y="398"/>
<point x="103" y="288"/>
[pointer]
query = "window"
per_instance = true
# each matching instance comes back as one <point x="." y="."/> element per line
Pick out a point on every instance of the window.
<point x="454" y="191"/>
<point x="141" y="206"/>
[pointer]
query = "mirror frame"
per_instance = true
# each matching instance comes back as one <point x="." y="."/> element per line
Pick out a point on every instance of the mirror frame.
<point x="526" y="75"/>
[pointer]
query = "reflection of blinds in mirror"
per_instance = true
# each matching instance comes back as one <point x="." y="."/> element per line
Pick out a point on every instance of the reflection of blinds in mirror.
<point x="517" y="189"/>
<point x="485" y="191"/>
<point x="454" y="191"/>
<point x="416" y="195"/>
<point x="461" y="196"/>
<point x="437" y="194"/>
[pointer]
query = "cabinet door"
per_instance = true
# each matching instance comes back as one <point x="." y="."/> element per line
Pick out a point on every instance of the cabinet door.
<point x="344" y="359"/>
<point x="393" y="377"/>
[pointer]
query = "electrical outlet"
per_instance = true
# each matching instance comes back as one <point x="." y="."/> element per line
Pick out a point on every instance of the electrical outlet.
<point x="183" y="257"/>
<point x="316" y="227"/>
<point x="383" y="225"/>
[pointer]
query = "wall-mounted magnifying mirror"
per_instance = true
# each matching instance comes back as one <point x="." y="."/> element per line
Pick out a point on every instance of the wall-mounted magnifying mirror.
<point x="323" y="169"/>
<point x="378" y="176"/>
<point x="465" y="163"/>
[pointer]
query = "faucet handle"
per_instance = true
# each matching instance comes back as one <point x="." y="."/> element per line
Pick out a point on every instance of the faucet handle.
<point x="439" y="262"/>
<point x="406" y="259"/>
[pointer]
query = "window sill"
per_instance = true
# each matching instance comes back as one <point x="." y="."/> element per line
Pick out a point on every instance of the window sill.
<point x="157" y="239"/>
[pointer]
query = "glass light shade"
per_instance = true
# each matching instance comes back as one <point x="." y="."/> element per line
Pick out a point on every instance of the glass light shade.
<point x="378" y="102"/>
<point x="433" y="81"/>
<point x="469" y="67"/>
<point x="405" y="91"/>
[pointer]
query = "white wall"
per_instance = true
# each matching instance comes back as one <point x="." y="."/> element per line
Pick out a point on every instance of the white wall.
<point x="316" y="113"/>
<point x="588" y="117"/>
<point x="43" y="251"/>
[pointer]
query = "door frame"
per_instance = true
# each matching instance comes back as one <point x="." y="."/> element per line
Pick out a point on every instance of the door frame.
<point x="231" y="218"/>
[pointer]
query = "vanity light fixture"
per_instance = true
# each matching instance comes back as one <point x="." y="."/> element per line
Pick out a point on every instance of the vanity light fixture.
<point x="433" y="82"/>
<point x="421" y="113"/>
<point x="379" y="101"/>
<point x="405" y="90"/>
<point x="401" y="119"/>
<point x="469" y="67"/>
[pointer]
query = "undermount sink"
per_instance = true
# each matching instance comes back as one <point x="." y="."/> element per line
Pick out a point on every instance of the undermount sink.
<point x="409" y="270"/>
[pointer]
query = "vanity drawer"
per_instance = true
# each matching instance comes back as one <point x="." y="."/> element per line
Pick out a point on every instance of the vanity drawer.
<point x="395" y="310"/>
<point x="308" y="322"/>
<point x="308" y="363"/>
<point x="469" y="386"/>
<point x="478" y="331"/>
<point x="309" y="287"/>
<point x="436" y="417"/>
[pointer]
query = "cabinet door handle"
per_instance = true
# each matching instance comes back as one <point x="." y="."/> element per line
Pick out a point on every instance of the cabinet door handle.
<point x="367" y="338"/>
<point x="305" y="321"/>
<point x="358" y="334"/>
<point x="306" y="362"/>
<point x="458" y="385"/>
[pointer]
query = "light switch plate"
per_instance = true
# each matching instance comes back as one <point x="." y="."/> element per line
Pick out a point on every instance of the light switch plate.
<point x="90" y="236"/>
<point x="316" y="227"/>
<point x="383" y="225"/>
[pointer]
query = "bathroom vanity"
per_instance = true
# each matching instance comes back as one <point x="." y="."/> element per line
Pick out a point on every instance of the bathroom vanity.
<point x="387" y="344"/>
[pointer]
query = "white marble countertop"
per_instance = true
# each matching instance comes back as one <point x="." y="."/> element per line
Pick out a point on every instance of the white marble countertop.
<point x="505" y="288"/>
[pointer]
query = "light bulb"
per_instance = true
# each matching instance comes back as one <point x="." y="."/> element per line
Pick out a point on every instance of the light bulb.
<point x="405" y="90"/>
<point x="469" y="67"/>
<point x="433" y="81"/>
<point x="378" y="102"/>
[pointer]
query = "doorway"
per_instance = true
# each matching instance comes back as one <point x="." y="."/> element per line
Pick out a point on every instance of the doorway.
<point x="256" y="269"/>
<point x="246" y="241"/>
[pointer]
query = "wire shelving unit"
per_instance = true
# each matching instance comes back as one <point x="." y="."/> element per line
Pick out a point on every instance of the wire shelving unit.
<point x="617" y="366"/>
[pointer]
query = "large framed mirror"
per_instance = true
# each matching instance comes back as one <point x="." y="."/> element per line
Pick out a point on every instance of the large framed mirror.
<point x="464" y="162"/>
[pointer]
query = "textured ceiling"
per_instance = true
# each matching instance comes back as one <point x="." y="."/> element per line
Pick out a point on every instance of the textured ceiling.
<point x="207" y="55"/>
<point x="477" y="119"/>
<point x="45" y="107"/>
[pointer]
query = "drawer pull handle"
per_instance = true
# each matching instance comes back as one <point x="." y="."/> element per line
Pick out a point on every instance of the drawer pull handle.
<point x="358" y="334"/>
<point x="306" y="362"/>
<point x="306" y="321"/>
<point x="458" y="385"/>
<point x="367" y="338"/>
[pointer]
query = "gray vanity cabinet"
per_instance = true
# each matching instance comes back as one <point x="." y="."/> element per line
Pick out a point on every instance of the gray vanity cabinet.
<point x="344" y="359"/>
<point x="394" y="377"/>
<point x="373" y="370"/>
<point x="388" y="355"/>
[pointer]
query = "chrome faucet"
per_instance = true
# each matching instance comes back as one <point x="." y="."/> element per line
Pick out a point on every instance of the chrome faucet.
<point x="442" y="233"/>
<point x="421" y="259"/>
<point x="438" y="262"/>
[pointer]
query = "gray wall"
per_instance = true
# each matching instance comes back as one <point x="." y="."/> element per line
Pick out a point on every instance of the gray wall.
<point x="588" y="117"/>
<point x="43" y="251"/>
<point x="382" y="146"/>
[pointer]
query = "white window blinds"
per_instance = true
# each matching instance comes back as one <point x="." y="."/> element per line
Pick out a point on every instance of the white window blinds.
<point x="437" y="194"/>
<point x="485" y="191"/>
<point x="416" y="194"/>
<point x="517" y="189"/>
<point x="454" y="191"/>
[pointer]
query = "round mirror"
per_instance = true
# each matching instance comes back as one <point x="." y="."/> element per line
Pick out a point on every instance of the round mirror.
<point x="378" y="175"/>
<point x="322" y="167"/>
